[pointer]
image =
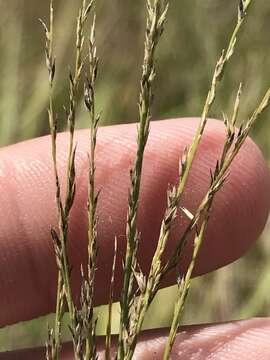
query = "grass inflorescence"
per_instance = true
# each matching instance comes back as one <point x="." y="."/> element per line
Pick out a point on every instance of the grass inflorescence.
<point x="139" y="289"/>
<point x="81" y="320"/>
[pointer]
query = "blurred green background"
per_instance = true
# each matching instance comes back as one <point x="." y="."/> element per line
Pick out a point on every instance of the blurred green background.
<point x="196" y="32"/>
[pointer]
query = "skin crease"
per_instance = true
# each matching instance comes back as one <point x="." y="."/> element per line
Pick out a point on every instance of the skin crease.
<point x="27" y="210"/>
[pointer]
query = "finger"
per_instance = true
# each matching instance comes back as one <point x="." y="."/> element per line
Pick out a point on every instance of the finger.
<point x="27" y="208"/>
<point x="246" y="339"/>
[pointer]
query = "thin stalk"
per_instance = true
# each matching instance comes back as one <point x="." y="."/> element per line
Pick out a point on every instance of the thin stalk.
<point x="184" y="285"/>
<point x="217" y="77"/>
<point x="60" y="242"/>
<point x="70" y="176"/>
<point x="109" y="322"/>
<point x="89" y="98"/>
<point x="155" y="24"/>
<point x="50" y="64"/>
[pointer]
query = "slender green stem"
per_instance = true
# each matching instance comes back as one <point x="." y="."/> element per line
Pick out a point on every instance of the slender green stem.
<point x="89" y="98"/>
<point x="50" y="63"/>
<point x="184" y="287"/>
<point x="155" y="23"/>
<point x="217" y="77"/>
<point x="60" y="243"/>
<point x="109" y="322"/>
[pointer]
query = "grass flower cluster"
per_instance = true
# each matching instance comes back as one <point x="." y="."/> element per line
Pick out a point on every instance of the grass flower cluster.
<point x="139" y="289"/>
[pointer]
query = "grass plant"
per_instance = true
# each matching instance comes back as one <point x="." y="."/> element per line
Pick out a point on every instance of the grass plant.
<point x="81" y="320"/>
<point x="139" y="289"/>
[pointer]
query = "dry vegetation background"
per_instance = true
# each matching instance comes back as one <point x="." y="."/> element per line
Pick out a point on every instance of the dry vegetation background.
<point x="195" y="34"/>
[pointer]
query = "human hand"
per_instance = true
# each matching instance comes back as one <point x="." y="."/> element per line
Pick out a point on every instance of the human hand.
<point x="27" y="211"/>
